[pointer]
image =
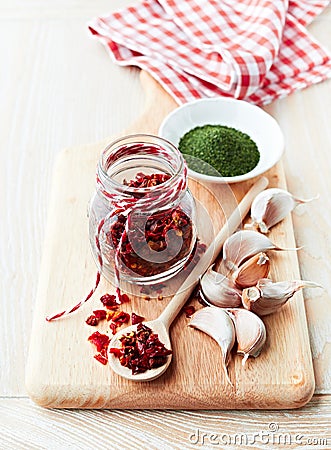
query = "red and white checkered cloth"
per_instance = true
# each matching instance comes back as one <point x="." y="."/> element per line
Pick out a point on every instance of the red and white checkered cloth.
<point x="257" y="50"/>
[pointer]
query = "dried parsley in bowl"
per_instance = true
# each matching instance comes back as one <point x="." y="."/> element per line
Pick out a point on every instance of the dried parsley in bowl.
<point x="219" y="150"/>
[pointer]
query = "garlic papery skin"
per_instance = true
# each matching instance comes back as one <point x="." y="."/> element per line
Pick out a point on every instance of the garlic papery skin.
<point x="268" y="297"/>
<point x="271" y="206"/>
<point x="251" y="271"/>
<point x="244" y="244"/>
<point x="217" y="323"/>
<point x="218" y="290"/>
<point x="251" y="333"/>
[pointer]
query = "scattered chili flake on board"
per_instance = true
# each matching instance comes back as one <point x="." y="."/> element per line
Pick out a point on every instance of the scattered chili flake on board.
<point x="136" y="319"/>
<point x="142" y="180"/>
<point x="124" y="298"/>
<point x="109" y="301"/>
<point x="117" y="318"/>
<point x="189" y="310"/>
<point x="141" y="350"/>
<point x="92" y="320"/>
<point x="150" y="235"/>
<point x="100" y="314"/>
<point x="113" y="327"/>
<point x="101" y="341"/>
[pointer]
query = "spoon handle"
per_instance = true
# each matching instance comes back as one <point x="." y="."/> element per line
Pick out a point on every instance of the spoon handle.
<point x="179" y="299"/>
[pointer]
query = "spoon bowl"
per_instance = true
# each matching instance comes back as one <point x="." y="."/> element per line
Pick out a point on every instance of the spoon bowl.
<point x="158" y="327"/>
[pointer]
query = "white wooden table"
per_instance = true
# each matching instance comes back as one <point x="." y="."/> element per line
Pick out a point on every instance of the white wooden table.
<point x="58" y="88"/>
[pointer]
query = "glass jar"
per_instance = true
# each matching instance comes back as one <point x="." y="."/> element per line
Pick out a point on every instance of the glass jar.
<point x="142" y="216"/>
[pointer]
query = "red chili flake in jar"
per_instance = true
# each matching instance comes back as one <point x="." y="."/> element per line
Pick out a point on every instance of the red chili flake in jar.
<point x="151" y="235"/>
<point x="101" y="341"/>
<point x="92" y="320"/>
<point x="136" y="319"/>
<point x="189" y="310"/>
<point x="141" y="350"/>
<point x="109" y="301"/>
<point x="100" y="314"/>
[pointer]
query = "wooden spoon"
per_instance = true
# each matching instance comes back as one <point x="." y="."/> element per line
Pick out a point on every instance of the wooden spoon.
<point x="162" y="324"/>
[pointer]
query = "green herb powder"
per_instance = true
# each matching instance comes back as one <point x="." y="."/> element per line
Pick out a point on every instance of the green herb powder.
<point x="219" y="151"/>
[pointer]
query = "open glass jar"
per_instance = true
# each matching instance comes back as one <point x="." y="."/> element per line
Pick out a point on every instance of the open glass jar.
<point x="142" y="216"/>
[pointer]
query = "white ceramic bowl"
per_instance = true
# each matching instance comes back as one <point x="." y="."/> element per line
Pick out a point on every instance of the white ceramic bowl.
<point x="243" y="116"/>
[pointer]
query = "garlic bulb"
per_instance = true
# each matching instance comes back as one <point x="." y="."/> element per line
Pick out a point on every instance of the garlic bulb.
<point x="271" y="206"/>
<point x="218" y="325"/>
<point x="250" y="333"/>
<point x="242" y="245"/>
<point x="251" y="271"/>
<point x="267" y="297"/>
<point x="218" y="290"/>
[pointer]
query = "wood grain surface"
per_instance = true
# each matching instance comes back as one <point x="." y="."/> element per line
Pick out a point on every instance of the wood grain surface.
<point x="59" y="89"/>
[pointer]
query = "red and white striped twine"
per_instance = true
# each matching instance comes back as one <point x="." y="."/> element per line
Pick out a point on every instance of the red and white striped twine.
<point x="159" y="198"/>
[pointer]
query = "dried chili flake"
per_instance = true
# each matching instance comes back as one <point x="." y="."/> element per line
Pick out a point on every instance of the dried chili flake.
<point x="110" y="315"/>
<point x="189" y="310"/>
<point x="92" y="321"/>
<point x="124" y="298"/>
<point x="120" y="317"/>
<point x="101" y="341"/>
<point x="142" y="180"/>
<point x="109" y="301"/>
<point x="113" y="327"/>
<point x="136" y="319"/>
<point x="141" y="350"/>
<point x="100" y="314"/>
<point x="150" y="236"/>
<point x="102" y="359"/>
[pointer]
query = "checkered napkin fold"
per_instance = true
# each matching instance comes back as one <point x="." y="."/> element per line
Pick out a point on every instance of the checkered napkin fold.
<point x="257" y="50"/>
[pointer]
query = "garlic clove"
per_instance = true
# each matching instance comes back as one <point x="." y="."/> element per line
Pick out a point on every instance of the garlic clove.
<point x="252" y="270"/>
<point x="250" y="333"/>
<point x="267" y="297"/>
<point x="218" y="290"/>
<point x="244" y="244"/>
<point x="217" y="323"/>
<point x="271" y="206"/>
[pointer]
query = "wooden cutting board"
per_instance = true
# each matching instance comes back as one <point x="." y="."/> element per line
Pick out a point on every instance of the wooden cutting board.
<point x="61" y="371"/>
